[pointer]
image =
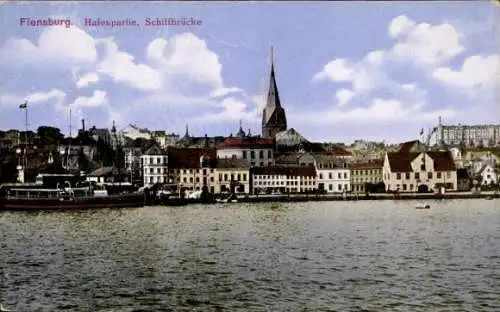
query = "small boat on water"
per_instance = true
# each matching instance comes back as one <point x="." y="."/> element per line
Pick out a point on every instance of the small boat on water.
<point x="231" y="198"/>
<point x="426" y="206"/>
<point x="2" y="309"/>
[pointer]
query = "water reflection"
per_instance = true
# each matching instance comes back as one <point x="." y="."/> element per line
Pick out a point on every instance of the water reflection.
<point x="301" y="257"/>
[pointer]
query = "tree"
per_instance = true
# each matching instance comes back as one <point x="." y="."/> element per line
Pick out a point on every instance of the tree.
<point x="49" y="134"/>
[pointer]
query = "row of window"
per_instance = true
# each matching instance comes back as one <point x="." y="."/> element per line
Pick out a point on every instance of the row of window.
<point x="282" y="177"/>
<point x="330" y="175"/>
<point x="430" y="175"/>
<point x="158" y="160"/>
<point x="277" y="183"/>
<point x="232" y="176"/>
<point x="261" y="154"/>
<point x="366" y="171"/>
<point x="370" y="179"/>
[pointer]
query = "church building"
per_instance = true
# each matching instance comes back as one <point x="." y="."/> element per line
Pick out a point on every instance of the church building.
<point x="273" y="115"/>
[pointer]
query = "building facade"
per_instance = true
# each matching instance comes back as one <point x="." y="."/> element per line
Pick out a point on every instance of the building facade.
<point x="277" y="179"/>
<point x="419" y="171"/>
<point x="232" y="175"/>
<point x="467" y="135"/>
<point x="154" y="165"/>
<point x="257" y="151"/>
<point x="365" y="173"/>
<point x="332" y="176"/>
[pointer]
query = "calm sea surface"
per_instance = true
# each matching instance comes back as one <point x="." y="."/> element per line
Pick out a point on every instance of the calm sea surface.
<point x="332" y="256"/>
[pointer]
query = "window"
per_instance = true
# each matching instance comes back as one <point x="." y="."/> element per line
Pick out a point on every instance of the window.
<point x="346" y="187"/>
<point x="438" y="175"/>
<point x="345" y="175"/>
<point x="204" y="171"/>
<point x="225" y="176"/>
<point x="339" y="175"/>
<point x="239" y="177"/>
<point x="330" y="175"/>
<point x="407" y="176"/>
<point x="448" y="175"/>
<point x="404" y="187"/>
<point x="261" y="154"/>
<point x="262" y="164"/>
<point x="417" y="175"/>
<point x="252" y="154"/>
<point x="220" y="176"/>
<point x="398" y="176"/>
<point x="244" y="154"/>
<point x="211" y="179"/>
<point x="422" y="167"/>
<point x="197" y="179"/>
<point x="339" y="187"/>
<point x="321" y="176"/>
<point x="429" y="175"/>
<point x="269" y="154"/>
<point x="244" y="177"/>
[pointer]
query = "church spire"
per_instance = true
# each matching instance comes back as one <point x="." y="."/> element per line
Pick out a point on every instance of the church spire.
<point x="186" y="135"/>
<point x="273" y="116"/>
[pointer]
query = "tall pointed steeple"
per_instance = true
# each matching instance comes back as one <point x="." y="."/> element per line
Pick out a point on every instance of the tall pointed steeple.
<point x="273" y="116"/>
<point x="186" y="135"/>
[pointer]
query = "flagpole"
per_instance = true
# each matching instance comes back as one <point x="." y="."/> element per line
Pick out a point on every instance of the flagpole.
<point x="25" y="134"/>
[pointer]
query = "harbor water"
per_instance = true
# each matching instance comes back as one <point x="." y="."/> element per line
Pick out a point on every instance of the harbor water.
<point x="317" y="256"/>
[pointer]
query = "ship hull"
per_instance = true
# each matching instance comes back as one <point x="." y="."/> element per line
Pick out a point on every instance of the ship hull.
<point x="83" y="203"/>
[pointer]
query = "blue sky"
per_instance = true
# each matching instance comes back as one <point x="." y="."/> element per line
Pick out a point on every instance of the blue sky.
<point x="345" y="70"/>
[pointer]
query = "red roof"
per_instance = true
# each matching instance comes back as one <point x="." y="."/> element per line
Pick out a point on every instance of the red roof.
<point x="339" y="151"/>
<point x="247" y="142"/>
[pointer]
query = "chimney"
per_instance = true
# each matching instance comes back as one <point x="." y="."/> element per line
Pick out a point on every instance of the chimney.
<point x="83" y="124"/>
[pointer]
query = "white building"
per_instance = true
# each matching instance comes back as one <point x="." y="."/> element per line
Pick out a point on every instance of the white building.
<point x="257" y="151"/>
<point x="487" y="174"/>
<point x="468" y="135"/>
<point x="286" y="179"/>
<point x="419" y="171"/>
<point x="133" y="132"/>
<point x="154" y="166"/>
<point x="332" y="176"/>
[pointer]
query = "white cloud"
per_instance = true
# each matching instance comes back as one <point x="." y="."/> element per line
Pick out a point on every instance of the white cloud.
<point x="122" y="68"/>
<point x="423" y="43"/>
<point x="97" y="99"/>
<point x="86" y="80"/>
<point x="400" y="25"/>
<point x="344" y="96"/>
<point x="380" y="112"/>
<point x="477" y="74"/>
<point x="59" y="46"/>
<point x="232" y="109"/>
<point x="338" y="70"/>
<point x="222" y="92"/>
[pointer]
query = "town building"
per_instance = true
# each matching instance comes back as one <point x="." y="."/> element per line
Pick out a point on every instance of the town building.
<point x="332" y="176"/>
<point x="273" y="115"/>
<point x="366" y="174"/>
<point x="277" y="179"/>
<point x="154" y="163"/>
<point x="193" y="169"/>
<point x="486" y="175"/>
<point x="232" y="175"/>
<point x="419" y="171"/>
<point x="258" y="151"/>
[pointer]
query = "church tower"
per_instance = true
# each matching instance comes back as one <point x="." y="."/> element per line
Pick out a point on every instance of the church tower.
<point x="273" y="116"/>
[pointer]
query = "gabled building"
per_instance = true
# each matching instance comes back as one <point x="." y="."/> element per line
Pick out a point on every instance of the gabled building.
<point x="419" y="171"/>
<point x="486" y="175"/>
<point x="273" y="115"/>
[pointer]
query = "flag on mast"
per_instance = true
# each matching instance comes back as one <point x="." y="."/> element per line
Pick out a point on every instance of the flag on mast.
<point x="24" y="105"/>
<point x="422" y="131"/>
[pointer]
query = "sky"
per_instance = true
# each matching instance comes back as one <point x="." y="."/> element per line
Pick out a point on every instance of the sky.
<point x="344" y="70"/>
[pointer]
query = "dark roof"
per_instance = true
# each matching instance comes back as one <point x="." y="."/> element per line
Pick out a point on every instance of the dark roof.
<point x="367" y="165"/>
<point x="406" y="147"/>
<point x="401" y="162"/>
<point x="189" y="158"/>
<point x="154" y="150"/>
<point x="247" y="142"/>
<point x="232" y="163"/>
<point x="285" y="170"/>
<point x="443" y="161"/>
<point x="339" y="151"/>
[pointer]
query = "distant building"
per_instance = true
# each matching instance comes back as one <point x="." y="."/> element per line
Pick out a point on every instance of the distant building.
<point x="258" y="151"/>
<point x="155" y="166"/>
<point x="289" y="179"/>
<point x="273" y="115"/>
<point x="365" y="173"/>
<point x="332" y="175"/>
<point x="467" y="135"/>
